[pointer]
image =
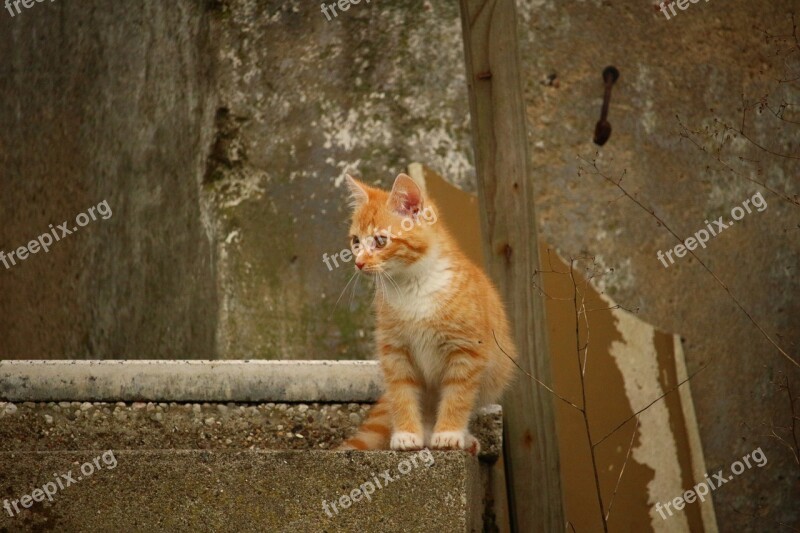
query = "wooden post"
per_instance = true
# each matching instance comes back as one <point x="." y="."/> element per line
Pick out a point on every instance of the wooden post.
<point x="505" y="192"/>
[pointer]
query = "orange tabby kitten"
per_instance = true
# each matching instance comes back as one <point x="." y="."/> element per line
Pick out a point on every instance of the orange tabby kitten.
<point x="437" y="317"/>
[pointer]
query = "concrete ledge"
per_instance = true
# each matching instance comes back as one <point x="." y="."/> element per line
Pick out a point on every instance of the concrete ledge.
<point x="245" y="491"/>
<point x="69" y="426"/>
<point x="190" y="381"/>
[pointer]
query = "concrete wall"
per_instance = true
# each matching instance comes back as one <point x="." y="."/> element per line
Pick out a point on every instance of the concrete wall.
<point x="219" y="133"/>
<point x="106" y="100"/>
<point x="696" y="66"/>
<point x="302" y="101"/>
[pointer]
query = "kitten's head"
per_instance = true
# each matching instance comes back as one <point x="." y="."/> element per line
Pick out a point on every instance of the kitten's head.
<point x="390" y="231"/>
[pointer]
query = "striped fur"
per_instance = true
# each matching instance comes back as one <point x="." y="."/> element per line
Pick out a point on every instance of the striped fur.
<point x="437" y="318"/>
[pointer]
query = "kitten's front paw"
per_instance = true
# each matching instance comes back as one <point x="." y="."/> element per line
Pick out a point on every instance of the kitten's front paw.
<point x="449" y="440"/>
<point x="403" y="440"/>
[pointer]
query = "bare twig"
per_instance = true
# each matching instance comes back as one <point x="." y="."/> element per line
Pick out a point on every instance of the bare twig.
<point x="534" y="378"/>
<point x="687" y="134"/>
<point x="795" y="418"/>
<point x="632" y="311"/>
<point x="755" y="516"/>
<point x="649" y="405"/>
<point x="584" y="411"/>
<point x="543" y="293"/>
<point x="697" y="258"/>
<point x="585" y="347"/>
<point x="786" y="45"/>
<point x="622" y="470"/>
<point x="790" y="440"/>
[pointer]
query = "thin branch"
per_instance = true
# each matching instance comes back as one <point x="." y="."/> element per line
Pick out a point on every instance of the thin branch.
<point x="632" y="311"/>
<point x="755" y="516"/>
<point x="785" y="443"/>
<point x="700" y="261"/>
<point x="795" y="418"/>
<point x="790" y="442"/>
<point x="757" y="145"/>
<point x="584" y="411"/>
<point x="686" y="133"/>
<point x="586" y="321"/>
<point x="543" y="293"/>
<point x="554" y="393"/>
<point x="779" y="114"/>
<point x="550" y="263"/>
<point x="646" y="407"/>
<point x="622" y="470"/>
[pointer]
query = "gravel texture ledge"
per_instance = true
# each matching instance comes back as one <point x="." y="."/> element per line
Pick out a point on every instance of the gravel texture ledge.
<point x="46" y="426"/>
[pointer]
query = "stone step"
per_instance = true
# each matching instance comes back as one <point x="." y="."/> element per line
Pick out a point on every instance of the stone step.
<point x="240" y="491"/>
<point x="223" y="446"/>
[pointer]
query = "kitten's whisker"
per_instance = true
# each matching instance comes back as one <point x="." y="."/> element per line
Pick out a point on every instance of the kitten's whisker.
<point x="353" y="292"/>
<point x="396" y="286"/>
<point x="382" y="287"/>
<point x="342" y="293"/>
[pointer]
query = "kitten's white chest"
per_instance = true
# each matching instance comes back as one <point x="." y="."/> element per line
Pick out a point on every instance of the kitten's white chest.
<point x="425" y="345"/>
<point x="416" y="301"/>
<point x="421" y="294"/>
<point x="412" y="303"/>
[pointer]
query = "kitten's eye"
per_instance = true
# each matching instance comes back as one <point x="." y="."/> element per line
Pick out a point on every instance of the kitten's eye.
<point x="354" y="241"/>
<point x="380" y="241"/>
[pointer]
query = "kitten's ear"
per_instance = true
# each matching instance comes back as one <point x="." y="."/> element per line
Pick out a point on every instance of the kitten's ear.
<point x="406" y="197"/>
<point x="358" y="193"/>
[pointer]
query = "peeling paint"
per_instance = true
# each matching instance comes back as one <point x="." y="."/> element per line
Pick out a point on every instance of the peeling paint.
<point x="637" y="360"/>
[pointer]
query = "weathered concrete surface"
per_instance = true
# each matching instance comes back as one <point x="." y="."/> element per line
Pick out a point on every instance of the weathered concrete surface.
<point x="302" y="101"/>
<point x="106" y="100"/>
<point x="696" y="66"/>
<point x="191" y="381"/>
<point x="245" y="491"/>
<point x="83" y="425"/>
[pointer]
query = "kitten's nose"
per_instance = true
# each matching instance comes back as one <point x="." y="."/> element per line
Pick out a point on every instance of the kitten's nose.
<point x="360" y="265"/>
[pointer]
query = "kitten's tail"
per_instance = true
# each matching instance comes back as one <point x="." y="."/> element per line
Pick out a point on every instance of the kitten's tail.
<point x="374" y="433"/>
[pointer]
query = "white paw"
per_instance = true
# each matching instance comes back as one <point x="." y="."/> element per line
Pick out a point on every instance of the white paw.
<point x="449" y="440"/>
<point x="403" y="440"/>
